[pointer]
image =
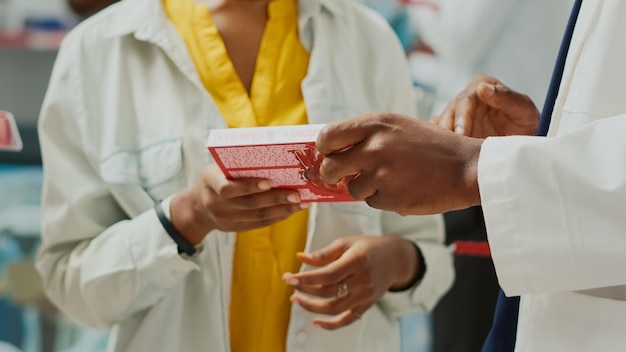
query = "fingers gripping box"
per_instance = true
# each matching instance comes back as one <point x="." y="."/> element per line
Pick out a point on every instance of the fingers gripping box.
<point x="286" y="155"/>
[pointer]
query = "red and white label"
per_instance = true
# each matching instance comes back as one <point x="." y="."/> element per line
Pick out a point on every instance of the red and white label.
<point x="286" y="155"/>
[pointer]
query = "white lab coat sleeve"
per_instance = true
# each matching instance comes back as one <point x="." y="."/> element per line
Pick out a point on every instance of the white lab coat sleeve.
<point x="426" y="232"/>
<point x="98" y="265"/>
<point x="554" y="208"/>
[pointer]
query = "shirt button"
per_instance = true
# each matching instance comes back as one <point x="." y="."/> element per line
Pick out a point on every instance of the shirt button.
<point x="301" y="336"/>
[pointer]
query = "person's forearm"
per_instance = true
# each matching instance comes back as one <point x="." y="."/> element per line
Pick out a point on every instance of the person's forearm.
<point x="408" y="266"/>
<point x="427" y="233"/>
<point x="102" y="280"/>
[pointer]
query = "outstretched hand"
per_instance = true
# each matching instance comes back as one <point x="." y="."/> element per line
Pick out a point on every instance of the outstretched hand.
<point x="488" y="108"/>
<point x="351" y="274"/>
<point x="401" y="164"/>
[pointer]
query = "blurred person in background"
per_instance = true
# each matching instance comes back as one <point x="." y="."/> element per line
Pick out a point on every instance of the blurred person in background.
<point x="132" y="98"/>
<point x="89" y="7"/>
<point x="465" y="38"/>
<point x="397" y="16"/>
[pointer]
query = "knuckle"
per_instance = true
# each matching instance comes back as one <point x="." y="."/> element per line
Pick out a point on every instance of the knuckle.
<point x="221" y="190"/>
<point x="207" y="202"/>
<point x="278" y="198"/>
<point x="527" y="99"/>
<point x="329" y="293"/>
<point x="362" y="260"/>
<point x="249" y="202"/>
<point x="321" y="254"/>
<point x="218" y="213"/>
<point x="386" y="119"/>
<point x="247" y="188"/>
<point x="340" y="242"/>
<point x="262" y="214"/>
<point x="331" y="278"/>
<point x="334" y="309"/>
<point x="263" y="223"/>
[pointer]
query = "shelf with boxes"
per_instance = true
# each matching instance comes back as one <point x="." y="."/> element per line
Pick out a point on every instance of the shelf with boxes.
<point x="32" y="39"/>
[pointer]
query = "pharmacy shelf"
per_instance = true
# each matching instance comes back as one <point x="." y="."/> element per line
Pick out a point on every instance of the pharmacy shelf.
<point x="32" y="39"/>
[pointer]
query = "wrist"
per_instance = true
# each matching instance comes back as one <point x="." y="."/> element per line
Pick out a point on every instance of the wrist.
<point x="190" y="218"/>
<point x="471" y="155"/>
<point x="410" y="268"/>
<point x="184" y="247"/>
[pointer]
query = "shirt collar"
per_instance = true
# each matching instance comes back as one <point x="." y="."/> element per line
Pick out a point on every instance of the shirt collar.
<point x="146" y="18"/>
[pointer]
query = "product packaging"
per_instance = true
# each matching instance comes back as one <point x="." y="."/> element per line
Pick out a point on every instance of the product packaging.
<point x="286" y="155"/>
<point x="9" y="136"/>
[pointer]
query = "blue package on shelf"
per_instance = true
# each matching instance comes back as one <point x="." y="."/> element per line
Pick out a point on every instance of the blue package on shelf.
<point x="45" y="23"/>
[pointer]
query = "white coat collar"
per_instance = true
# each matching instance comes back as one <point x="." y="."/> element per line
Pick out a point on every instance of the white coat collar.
<point x="145" y="19"/>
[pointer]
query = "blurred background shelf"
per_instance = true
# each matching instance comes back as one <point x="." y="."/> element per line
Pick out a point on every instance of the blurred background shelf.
<point x="41" y="40"/>
<point x="24" y="74"/>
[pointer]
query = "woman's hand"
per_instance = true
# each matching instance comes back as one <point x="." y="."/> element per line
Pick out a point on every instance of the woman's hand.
<point x="352" y="274"/>
<point x="216" y="202"/>
<point x="487" y="108"/>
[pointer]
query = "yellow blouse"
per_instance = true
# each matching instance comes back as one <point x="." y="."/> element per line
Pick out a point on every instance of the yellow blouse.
<point x="260" y="307"/>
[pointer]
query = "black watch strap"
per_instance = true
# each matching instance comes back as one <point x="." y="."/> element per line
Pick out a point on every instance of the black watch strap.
<point x="183" y="245"/>
<point x="421" y="272"/>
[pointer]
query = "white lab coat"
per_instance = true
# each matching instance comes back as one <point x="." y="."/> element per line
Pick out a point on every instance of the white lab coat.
<point x="514" y="40"/>
<point x="125" y="121"/>
<point x="554" y="207"/>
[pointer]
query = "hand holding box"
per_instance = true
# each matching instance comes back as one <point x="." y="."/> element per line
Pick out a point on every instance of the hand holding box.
<point x="286" y="155"/>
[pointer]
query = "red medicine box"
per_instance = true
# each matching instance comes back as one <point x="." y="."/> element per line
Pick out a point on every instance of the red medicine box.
<point x="9" y="136"/>
<point x="286" y="155"/>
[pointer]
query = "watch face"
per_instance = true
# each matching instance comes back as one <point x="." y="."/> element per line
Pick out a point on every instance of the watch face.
<point x="9" y="136"/>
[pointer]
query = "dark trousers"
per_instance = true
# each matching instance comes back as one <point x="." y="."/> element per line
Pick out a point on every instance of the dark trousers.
<point x="464" y="316"/>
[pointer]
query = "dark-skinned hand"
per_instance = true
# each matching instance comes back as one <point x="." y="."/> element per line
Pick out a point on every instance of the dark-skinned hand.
<point x="487" y="108"/>
<point x="401" y="164"/>
<point x="368" y="266"/>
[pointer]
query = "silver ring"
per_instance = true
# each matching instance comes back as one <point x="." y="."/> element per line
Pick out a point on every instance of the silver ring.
<point x="342" y="290"/>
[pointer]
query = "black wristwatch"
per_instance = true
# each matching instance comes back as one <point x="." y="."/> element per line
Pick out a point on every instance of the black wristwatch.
<point x="183" y="245"/>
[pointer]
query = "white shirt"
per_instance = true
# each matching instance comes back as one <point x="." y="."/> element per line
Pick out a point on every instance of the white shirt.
<point x="554" y="206"/>
<point x="514" y="40"/>
<point x="125" y="121"/>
